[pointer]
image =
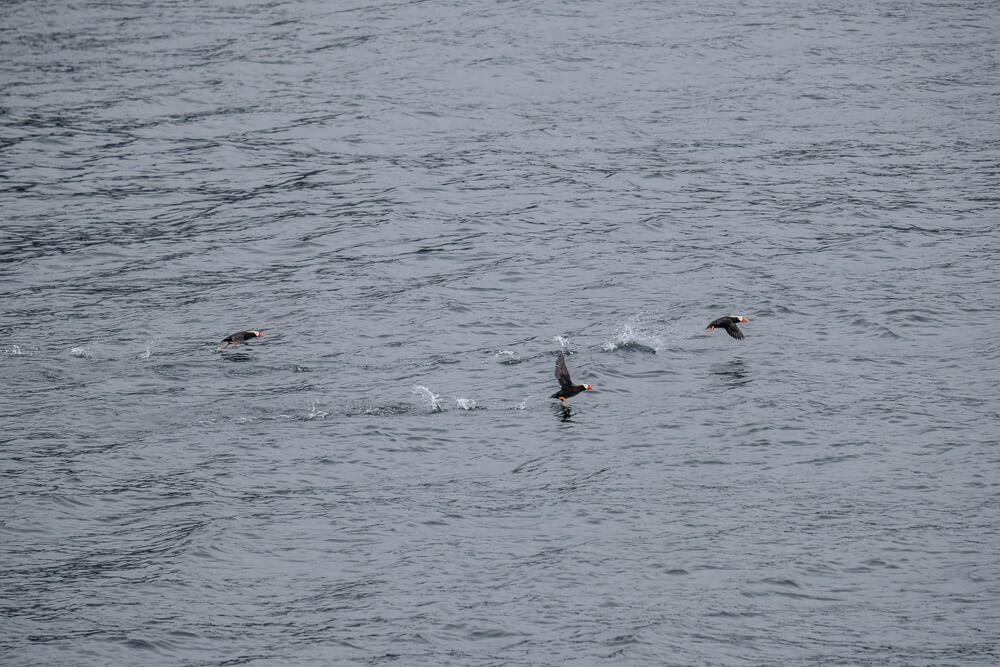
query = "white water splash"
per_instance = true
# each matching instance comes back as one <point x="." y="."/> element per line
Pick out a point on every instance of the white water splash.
<point x="13" y="351"/>
<point x="467" y="403"/>
<point x="434" y="399"/>
<point x="506" y="357"/>
<point x="523" y="405"/>
<point x="563" y="342"/>
<point x="148" y="352"/>
<point x="315" y="412"/>
<point x="631" y="335"/>
<point x="81" y="352"/>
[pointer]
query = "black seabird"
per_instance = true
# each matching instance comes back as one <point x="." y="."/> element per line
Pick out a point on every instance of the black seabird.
<point x="728" y="323"/>
<point x="238" y="339"/>
<point x="566" y="387"/>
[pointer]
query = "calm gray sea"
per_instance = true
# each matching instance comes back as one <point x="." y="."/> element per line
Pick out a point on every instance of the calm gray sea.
<point x="421" y="204"/>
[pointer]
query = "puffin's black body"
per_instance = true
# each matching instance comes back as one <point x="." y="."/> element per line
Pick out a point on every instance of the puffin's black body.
<point x="238" y="339"/>
<point x="728" y="323"/>
<point x="566" y="387"/>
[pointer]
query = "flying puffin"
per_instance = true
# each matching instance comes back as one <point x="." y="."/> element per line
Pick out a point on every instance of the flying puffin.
<point x="238" y="339"/>
<point x="566" y="387"/>
<point x="728" y="323"/>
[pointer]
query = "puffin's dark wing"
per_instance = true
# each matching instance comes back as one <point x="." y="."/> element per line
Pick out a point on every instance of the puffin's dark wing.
<point x="237" y="338"/>
<point x="562" y="373"/>
<point x="720" y="322"/>
<point x="734" y="331"/>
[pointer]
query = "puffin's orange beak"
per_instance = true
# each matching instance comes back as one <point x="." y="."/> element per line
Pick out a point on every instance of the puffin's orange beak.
<point x="744" y="319"/>
<point x="590" y="387"/>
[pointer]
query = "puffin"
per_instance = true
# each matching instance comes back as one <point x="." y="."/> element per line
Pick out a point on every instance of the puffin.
<point x="728" y="323"/>
<point x="238" y="339"/>
<point x="566" y="387"/>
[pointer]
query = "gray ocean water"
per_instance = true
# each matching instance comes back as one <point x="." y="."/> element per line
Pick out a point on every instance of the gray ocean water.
<point x="420" y="204"/>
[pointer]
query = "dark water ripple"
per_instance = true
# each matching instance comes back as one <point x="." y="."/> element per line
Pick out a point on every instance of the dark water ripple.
<point x="414" y="200"/>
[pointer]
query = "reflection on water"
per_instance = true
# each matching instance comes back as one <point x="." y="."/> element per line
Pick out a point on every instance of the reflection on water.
<point x="236" y="356"/>
<point x="732" y="374"/>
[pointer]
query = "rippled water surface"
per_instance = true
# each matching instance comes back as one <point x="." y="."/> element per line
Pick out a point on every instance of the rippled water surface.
<point x="420" y="204"/>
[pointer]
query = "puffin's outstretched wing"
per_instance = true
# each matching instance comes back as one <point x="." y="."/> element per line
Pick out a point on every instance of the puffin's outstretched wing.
<point x="562" y="373"/>
<point x="734" y="331"/>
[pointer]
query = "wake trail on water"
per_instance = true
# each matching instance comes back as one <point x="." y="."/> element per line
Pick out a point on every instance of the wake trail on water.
<point x="434" y="401"/>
